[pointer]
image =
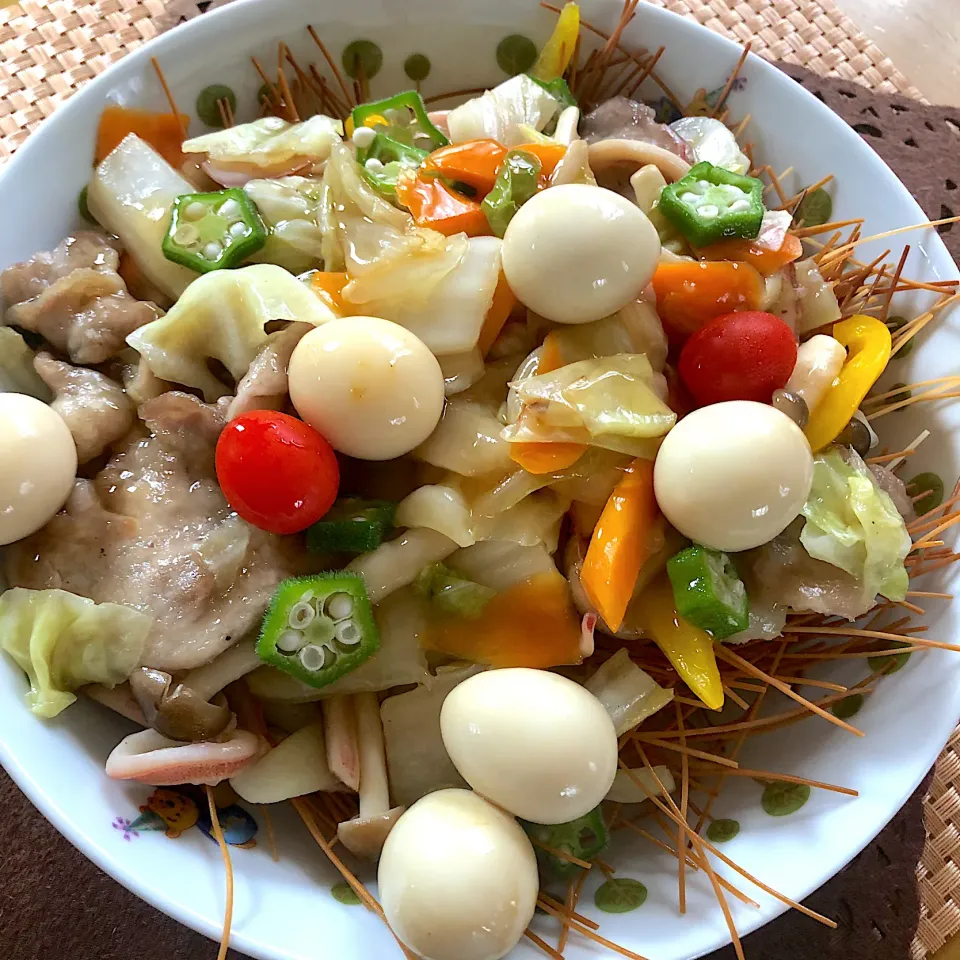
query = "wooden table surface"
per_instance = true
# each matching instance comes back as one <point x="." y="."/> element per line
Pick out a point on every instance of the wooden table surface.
<point x="922" y="37"/>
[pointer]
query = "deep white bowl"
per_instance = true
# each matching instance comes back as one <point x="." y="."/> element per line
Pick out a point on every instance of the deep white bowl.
<point x="284" y="910"/>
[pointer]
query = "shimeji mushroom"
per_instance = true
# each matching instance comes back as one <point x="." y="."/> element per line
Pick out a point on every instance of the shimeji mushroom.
<point x="149" y="757"/>
<point x="343" y="751"/>
<point x="175" y="710"/>
<point x="366" y="833"/>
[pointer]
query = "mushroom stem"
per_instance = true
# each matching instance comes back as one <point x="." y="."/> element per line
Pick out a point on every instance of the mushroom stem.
<point x="231" y="665"/>
<point x="374" y="790"/>
<point x="343" y="750"/>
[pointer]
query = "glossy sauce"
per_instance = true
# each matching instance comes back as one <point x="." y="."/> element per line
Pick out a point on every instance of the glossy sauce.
<point x="531" y="624"/>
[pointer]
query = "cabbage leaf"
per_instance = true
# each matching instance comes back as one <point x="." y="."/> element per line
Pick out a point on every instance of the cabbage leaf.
<point x="269" y="142"/>
<point x="16" y="367"/>
<point x="502" y="113"/>
<point x="607" y="396"/>
<point x="628" y="694"/>
<point x="221" y="316"/>
<point x="852" y="524"/>
<point x="290" y="209"/>
<point x="63" y="641"/>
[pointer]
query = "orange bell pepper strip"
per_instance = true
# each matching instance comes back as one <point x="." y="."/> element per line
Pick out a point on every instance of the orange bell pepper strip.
<point x="549" y="155"/>
<point x="163" y="131"/>
<point x="765" y="261"/>
<point x="433" y="204"/>
<point x="504" y="300"/>
<point x="476" y="162"/>
<point x="691" y="293"/>
<point x="328" y="286"/>
<point x="621" y="543"/>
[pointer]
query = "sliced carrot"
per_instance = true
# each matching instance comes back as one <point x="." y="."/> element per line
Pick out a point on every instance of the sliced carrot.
<point x="504" y="301"/>
<point x="329" y="287"/>
<point x="549" y="155"/>
<point x="550" y="356"/>
<point x="476" y="162"/>
<point x="537" y="457"/>
<point x="161" y="130"/>
<point x="433" y="204"/>
<point x="762" y="259"/>
<point x="621" y="543"/>
<point x="585" y="517"/>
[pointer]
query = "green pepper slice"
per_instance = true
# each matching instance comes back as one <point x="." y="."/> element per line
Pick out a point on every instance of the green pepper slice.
<point x="352" y="525"/>
<point x="711" y="204"/>
<point x="405" y="116"/>
<point x="708" y="592"/>
<point x="559" y="90"/>
<point x="213" y="231"/>
<point x="385" y="159"/>
<point x="318" y="628"/>
<point x="516" y="183"/>
<point x="583" y="838"/>
<point x="451" y="593"/>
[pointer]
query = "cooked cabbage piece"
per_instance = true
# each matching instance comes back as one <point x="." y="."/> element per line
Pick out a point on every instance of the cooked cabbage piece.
<point x="270" y="142"/>
<point x="290" y="210"/>
<point x="222" y="317"/>
<point x="63" y="641"/>
<point x="131" y="194"/>
<point x="852" y="524"/>
<point x="499" y="114"/>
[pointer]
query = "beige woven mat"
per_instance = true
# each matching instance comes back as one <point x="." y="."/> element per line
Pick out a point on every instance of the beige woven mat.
<point x="49" y="49"/>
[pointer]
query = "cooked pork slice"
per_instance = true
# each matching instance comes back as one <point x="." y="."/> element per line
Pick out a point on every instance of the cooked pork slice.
<point x="153" y="530"/>
<point x="264" y="385"/>
<point x="87" y="250"/>
<point x="75" y="299"/>
<point x="96" y="409"/>
<point x="620" y="118"/>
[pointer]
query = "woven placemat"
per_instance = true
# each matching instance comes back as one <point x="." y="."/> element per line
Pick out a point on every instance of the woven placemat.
<point x="48" y="50"/>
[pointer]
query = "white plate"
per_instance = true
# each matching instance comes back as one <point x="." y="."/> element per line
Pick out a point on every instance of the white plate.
<point x="284" y="910"/>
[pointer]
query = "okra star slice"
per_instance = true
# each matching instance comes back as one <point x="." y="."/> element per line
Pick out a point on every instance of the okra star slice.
<point x="319" y="627"/>
<point x="213" y="231"/>
<point x="711" y="204"/>
<point x="708" y="592"/>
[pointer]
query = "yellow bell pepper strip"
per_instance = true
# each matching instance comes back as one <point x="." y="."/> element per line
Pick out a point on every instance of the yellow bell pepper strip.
<point x="687" y="647"/>
<point x="868" y="351"/>
<point x="620" y="543"/>
<point x="558" y="50"/>
<point x="538" y="458"/>
<point x="504" y="300"/>
<point x="476" y="162"/>
<point x="691" y="293"/>
<point x="433" y="204"/>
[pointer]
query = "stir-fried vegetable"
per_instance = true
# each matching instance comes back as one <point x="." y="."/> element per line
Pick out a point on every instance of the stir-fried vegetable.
<point x="434" y="205"/>
<point x="162" y="131"/>
<point x="403" y="117"/>
<point x="319" y="628"/>
<point x="352" y="525"/>
<point x="854" y="525"/>
<point x="708" y="591"/>
<point x="213" y="231"/>
<point x="474" y="162"/>
<point x="712" y="204"/>
<point x="868" y="351"/>
<point x="691" y="293"/>
<point x="62" y="642"/>
<point x="583" y="838"/>
<point x="621" y="543"/>
<point x="516" y="183"/>
<point x="452" y="594"/>
<point x="501" y="113"/>
<point x="558" y="51"/>
<point x="629" y="694"/>
<point x="687" y="647"/>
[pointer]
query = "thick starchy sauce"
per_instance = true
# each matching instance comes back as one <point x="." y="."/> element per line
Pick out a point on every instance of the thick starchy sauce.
<point x="531" y="624"/>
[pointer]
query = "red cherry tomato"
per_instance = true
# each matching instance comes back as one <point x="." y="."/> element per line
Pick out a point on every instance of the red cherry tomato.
<point x="739" y="356"/>
<point x="276" y="471"/>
